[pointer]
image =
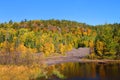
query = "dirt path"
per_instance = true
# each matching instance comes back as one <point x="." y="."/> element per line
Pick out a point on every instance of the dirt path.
<point x="62" y="59"/>
<point x="76" y="55"/>
<point x="71" y="56"/>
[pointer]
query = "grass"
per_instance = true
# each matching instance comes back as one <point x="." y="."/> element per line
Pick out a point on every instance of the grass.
<point x="15" y="67"/>
<point x="14" y="72"/>
<point x="28" y="67"/>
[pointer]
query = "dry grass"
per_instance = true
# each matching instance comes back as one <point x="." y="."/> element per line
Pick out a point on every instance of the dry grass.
<point x="14" y="72"/>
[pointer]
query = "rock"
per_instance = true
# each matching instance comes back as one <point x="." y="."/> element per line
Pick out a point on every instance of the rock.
<point x="80" y="52"/>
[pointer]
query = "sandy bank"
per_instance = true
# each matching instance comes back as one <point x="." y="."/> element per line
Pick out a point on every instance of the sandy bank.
<point x="64" y="59"/>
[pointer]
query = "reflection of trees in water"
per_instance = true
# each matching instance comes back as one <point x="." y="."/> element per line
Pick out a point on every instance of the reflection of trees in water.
<point x="78" y="69"/>
<point x="88" y="70"/>
<point x="101" y="71"/>
<point x="108" y="71"/>
<point x="112" y="71"/>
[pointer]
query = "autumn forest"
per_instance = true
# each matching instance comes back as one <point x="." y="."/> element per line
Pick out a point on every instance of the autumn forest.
<point x="20" y="40"/>
<point x="58" y="36"/>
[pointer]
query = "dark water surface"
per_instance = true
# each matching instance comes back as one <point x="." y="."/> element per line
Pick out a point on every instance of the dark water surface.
<point x="88" y="71"/>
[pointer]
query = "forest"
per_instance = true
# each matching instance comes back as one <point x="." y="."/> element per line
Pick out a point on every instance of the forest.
<point x="52" y="37"/>
<point x="24" y="44"/>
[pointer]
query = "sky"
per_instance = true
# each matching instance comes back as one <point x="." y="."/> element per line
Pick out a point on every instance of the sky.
<point x="93" y="12"/>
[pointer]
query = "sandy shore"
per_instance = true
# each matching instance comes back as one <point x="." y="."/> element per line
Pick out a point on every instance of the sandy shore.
<point x="64" y="59"/>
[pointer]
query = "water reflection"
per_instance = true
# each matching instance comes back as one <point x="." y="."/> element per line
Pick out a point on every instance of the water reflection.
<point x="88" y="71"/>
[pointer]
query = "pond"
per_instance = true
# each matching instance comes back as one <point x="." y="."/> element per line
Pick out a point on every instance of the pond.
<point x="87" y="71"/>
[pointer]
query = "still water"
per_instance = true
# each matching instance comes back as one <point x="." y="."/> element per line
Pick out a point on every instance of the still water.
<point x="88" y="71"/>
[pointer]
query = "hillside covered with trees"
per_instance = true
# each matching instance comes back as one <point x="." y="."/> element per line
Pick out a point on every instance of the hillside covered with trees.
<point x="51" y="37"/>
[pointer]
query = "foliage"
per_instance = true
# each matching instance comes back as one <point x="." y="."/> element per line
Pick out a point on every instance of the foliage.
<point x="58" y="36"/>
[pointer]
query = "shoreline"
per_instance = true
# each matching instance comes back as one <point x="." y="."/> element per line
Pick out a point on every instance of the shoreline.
<point x="64" y="59"/>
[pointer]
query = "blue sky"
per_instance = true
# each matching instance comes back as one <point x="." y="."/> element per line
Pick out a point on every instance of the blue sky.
<point x="92" y="12"/>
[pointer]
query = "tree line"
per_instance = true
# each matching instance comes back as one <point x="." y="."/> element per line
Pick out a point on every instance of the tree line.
<point x="58" y="36"/>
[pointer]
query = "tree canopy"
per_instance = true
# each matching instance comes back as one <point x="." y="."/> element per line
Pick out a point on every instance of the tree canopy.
<point x="59" y="36"/>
